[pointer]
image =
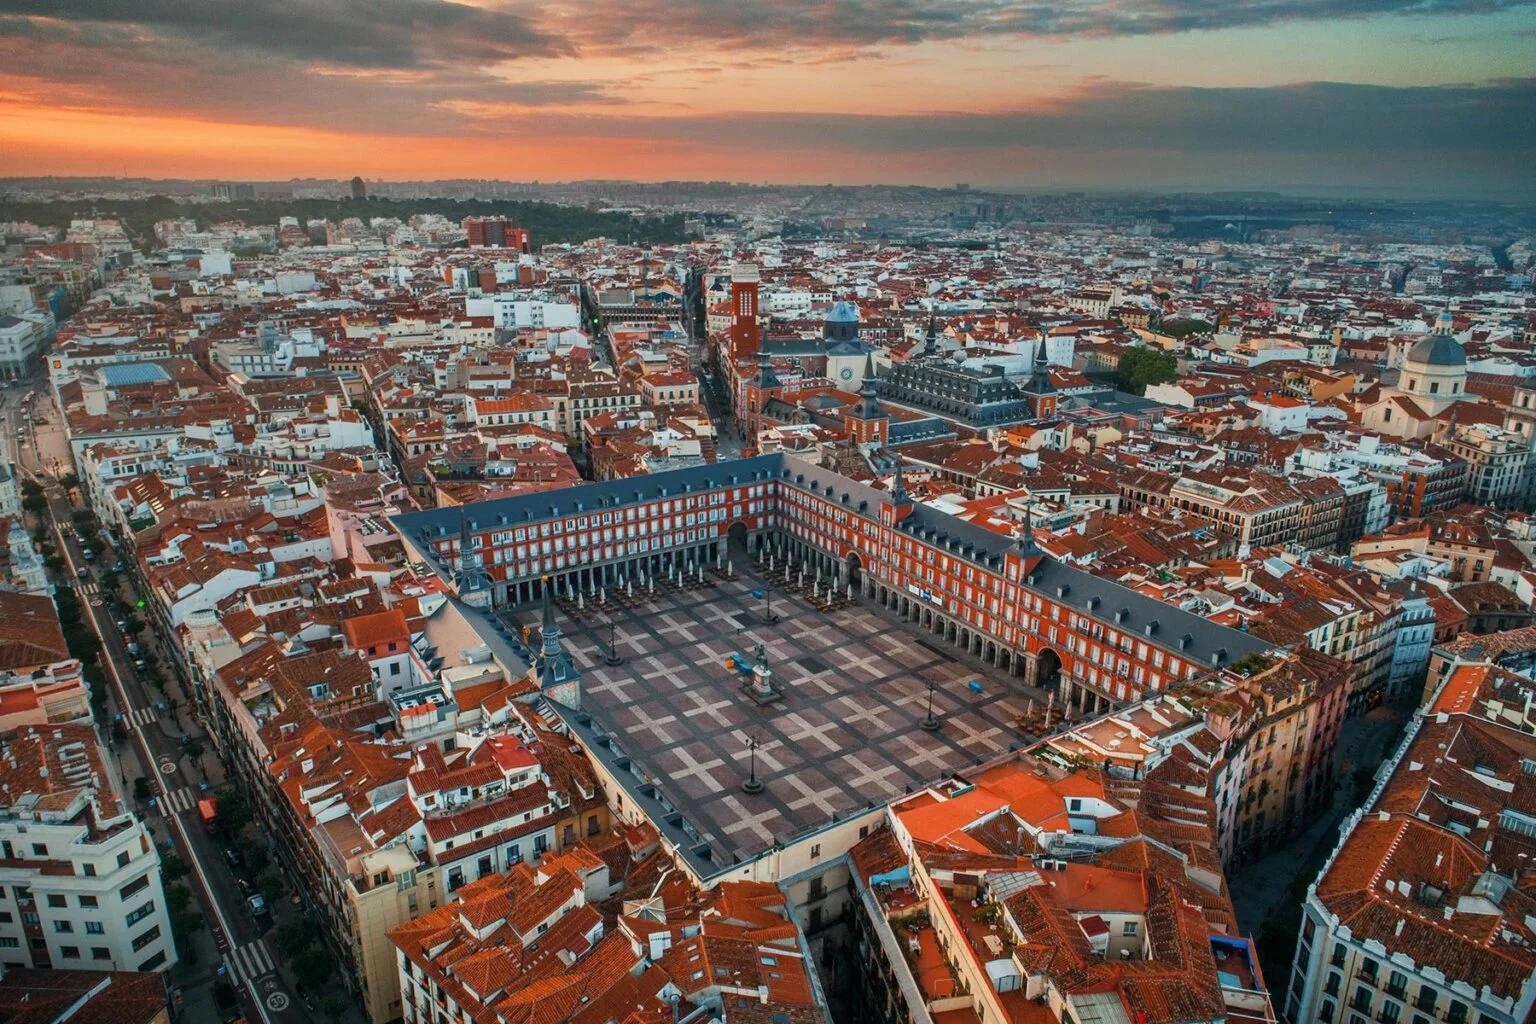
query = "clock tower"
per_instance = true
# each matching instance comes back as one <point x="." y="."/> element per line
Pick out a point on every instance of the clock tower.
<point x="866" y="422"/>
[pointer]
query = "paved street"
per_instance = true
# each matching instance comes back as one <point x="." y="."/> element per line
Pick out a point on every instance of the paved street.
<point x="1261" y="888"/>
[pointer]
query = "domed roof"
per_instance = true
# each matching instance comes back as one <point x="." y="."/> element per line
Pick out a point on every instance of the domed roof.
<point x="843" y="313"/>
<point x="1438" y="350"/>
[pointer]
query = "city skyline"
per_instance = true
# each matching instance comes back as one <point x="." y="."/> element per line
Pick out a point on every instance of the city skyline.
<point x="1417" y="98"/>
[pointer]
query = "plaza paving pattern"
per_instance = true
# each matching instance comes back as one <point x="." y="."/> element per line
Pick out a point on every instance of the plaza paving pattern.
<point x="845" y="733"/>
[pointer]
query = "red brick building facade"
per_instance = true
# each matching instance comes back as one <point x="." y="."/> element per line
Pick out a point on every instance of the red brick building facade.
<point x="999" y="600"/>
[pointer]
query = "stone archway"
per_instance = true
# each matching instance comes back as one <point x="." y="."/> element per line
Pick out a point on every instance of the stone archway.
<point x="1047" y="669"/>
<point x="853" y="567"/>
<point x="736" y="537"/>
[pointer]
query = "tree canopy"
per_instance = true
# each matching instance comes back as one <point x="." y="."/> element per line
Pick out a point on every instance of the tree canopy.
<point x="547" y="222"/>
<point x="1140" y="367"/>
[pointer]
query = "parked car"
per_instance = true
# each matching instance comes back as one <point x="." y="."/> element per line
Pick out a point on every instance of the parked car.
<point x="232" y="857"/>
<point x="257" y="905"/>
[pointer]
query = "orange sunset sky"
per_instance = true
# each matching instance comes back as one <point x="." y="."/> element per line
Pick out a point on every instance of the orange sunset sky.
<point x="1419" y="96"/>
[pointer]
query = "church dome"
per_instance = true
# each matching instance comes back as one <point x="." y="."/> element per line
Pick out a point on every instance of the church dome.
<point x="843" y="313"/>
<point x="1438" y="350"/>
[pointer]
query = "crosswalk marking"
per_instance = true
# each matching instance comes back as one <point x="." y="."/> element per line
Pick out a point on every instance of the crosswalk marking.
<point x="88" y="588"/>
<point x="250" y="961"/>
<point x="141" y="717"/>
<point x="178" y="800"/>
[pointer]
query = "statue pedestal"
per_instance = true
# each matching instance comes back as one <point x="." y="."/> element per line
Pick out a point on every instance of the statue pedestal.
<point x="761" y="687"/>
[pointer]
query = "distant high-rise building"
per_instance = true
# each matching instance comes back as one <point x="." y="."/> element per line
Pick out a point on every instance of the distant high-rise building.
<point x="359" y="190"/>
<point x="497" y="233"/>
<point x="229" y="190"/>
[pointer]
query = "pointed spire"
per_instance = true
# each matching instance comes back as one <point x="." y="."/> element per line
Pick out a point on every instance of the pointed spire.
<point x="869" y="392"/>
<point x="1040" y="379"/>
<point x="551" y="628"/>
<point x="766" y="378"/>
<point x="466" y="581"/>
<point x="1026" y="545"/>
<point x="899" y="487"/>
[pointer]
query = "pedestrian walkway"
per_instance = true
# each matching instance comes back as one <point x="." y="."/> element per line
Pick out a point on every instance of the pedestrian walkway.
<point x="250" y="961"/>
<point x="140" y="717"/>
<point x="177" y="801"/>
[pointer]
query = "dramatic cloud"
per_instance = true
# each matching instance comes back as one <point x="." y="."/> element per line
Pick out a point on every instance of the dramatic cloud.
<point x="756" y="89"/>
<point x="363" y="33"/>
<point x="808" y="23"/>
<point x="423" y="33"/>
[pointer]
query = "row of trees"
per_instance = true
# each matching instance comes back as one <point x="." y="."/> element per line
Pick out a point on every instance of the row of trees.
<point x="547" y="222"/>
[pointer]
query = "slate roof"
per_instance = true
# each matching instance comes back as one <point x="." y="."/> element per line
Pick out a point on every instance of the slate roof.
<point x="974" y="543"/>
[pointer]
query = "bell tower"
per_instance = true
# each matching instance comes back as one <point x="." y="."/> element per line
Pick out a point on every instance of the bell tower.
<point x="746" y="334"/>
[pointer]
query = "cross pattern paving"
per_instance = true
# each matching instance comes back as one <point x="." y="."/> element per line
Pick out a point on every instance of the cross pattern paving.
<point x="846" y="732"/>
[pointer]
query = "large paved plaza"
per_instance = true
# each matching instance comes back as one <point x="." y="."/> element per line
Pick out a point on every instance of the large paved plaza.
<point x="846" y="731"/>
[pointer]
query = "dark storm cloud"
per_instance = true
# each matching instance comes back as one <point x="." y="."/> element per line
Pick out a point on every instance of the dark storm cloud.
<point x="1473" y="139"/>
<point x="128" y="66"/>
<point x="861" y="23"/>
<point x="1497" y="117"/>
<point x="435" y="33"/>
<point x="357" y="33"/>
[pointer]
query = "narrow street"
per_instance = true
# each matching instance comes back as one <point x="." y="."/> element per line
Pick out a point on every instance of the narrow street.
<point x="1263" y="889"/>
<point x="151" y="729"/>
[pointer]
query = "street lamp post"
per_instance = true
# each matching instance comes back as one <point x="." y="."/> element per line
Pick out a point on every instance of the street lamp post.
<point x="753" y="783"/>
<point x="613" y="645"/>
<point x="929" y="723"/>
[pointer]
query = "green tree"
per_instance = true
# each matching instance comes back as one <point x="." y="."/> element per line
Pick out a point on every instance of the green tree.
<point x="1140" y="367"/>
<point x="141" y="790"/>
<point x="314" y="968"/>
<point x="548" y="222"/>
<point x="172" y="867"/>
<point x="295" y="937"/>
<point x="1182" y="328"/>
<point x="186" y="920"/>
<point x="69" y="480"/>
<point x="273" y="888"/>
<point x="234" y="815"/>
